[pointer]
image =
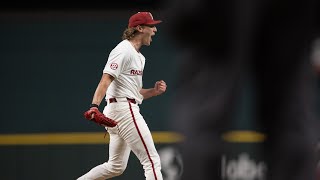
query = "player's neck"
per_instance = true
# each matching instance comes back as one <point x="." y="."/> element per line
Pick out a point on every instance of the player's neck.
<point x="136" y="44"/>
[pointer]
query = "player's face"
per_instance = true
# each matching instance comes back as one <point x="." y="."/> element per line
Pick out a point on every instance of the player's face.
<point x="148" y="31"/>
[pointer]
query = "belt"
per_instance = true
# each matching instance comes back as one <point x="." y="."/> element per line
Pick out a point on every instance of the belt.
<point x="112" y="100"/>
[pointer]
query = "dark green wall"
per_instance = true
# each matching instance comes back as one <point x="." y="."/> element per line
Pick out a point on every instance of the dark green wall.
<point x="50" y="69"/>
<point x="50" y="64"/>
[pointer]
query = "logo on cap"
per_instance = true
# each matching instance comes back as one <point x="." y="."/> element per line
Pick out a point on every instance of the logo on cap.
<point x="150" y="15"/>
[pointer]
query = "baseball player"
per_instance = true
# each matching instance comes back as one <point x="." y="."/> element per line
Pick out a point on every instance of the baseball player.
<point x="121" y="85"/>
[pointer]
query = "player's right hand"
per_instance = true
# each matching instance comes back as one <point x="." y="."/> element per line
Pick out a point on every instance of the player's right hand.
<point x="93" y="114"/>
<point x="90" y="113"/>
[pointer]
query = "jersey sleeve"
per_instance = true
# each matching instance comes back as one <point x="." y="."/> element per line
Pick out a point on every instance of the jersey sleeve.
<point x="115" y="63"/>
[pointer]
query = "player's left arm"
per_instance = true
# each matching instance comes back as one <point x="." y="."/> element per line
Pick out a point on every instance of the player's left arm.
<point x="159" y="88"/>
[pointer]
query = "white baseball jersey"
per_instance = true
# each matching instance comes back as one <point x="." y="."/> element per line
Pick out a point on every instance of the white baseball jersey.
<point x="126" y="65"/>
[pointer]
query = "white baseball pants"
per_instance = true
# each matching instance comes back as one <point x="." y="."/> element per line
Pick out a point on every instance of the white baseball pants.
<point x="131" y="134"/>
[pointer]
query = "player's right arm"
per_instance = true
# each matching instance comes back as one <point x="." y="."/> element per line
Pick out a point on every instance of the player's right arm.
<point x="102" y="87"/>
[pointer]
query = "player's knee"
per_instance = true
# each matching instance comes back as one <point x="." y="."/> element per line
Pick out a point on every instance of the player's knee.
<point x="117" y="169"/>
<point x="157" y="162"/>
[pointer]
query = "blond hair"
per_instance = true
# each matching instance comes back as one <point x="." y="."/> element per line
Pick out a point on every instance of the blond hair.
<point x="129" y="33"/>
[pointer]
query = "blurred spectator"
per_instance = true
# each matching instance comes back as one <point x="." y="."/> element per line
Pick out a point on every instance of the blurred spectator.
<point x="228" y="44"/>
<point x="315" y="59"/>
<point x="315" y="56"/>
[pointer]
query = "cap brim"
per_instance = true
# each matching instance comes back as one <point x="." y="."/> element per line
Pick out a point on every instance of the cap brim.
<point x="154" y="22"/>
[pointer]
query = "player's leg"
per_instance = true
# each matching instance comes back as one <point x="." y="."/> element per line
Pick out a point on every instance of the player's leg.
<point x="118" y="158"/>
<point x="142" y="144"/>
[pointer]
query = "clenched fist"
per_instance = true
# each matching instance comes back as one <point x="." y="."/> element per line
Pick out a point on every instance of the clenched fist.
<point x="160" y="87"/>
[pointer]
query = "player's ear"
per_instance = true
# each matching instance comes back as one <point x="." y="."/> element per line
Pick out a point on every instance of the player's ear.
<point x="139" y="28"/>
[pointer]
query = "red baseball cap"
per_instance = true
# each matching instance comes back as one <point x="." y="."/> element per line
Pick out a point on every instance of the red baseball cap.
<point x="141" y="18"/>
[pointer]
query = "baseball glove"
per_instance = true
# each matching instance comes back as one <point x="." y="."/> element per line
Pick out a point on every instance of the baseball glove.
<point x="93" y="114"/>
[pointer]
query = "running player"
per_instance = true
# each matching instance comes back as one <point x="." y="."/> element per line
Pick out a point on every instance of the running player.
<point x="121" y="85"/>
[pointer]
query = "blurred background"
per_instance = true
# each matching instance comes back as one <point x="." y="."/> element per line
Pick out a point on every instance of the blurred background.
<point x="51" y="60"/>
